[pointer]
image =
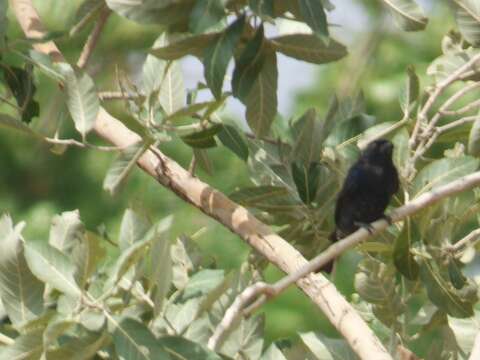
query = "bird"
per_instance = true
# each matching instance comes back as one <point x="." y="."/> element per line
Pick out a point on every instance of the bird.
<point x="366" y="192"/>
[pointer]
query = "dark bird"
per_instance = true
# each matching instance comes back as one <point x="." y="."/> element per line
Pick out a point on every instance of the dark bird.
<point x="366" y="191"/>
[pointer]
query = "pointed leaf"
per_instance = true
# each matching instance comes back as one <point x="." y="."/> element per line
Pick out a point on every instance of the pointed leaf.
<point x="218" y="55"/>
<point x="409" y="94"/>
<point x="248" y="66"/>
<point x="262" y="100"/>
<point x="308" y="47"/>
<point x="52" y="266"/>
<point x="402" y="257"/>
<point x="121" y="167"/>
<point x="306" y="180"/>
<point x="134" y="341"/>
<point x="467" y="14"/>
<point x="443" y="171"/>
<point x="314" y="15"/>
<point x="20" y="291"/>
<point x="407" y="14"/>
<point x="132" y="229"/>
<point x="82" y="99"/>
<point x="203" y="139"/>
<point x="230" y="137"/>
<point x="65" y="231"/>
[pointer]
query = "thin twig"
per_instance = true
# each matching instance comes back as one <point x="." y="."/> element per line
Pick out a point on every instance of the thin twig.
<point x="93" y="37"/>
<point x="117" y="95"/>
<point x="73" y="142"/>
<point x="263" y="292"/>
<point x="472" y="106"/>
<point x="456" y="123"/>
<point x="422" y="115"/>
<point x="470" y="239"/>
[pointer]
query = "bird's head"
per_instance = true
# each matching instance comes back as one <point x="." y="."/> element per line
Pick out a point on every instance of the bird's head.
<point x="379" y="151"/>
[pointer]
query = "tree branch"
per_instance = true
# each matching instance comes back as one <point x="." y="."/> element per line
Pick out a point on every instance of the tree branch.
<point x="263" y="292"/>
<point x="216" y="205"/>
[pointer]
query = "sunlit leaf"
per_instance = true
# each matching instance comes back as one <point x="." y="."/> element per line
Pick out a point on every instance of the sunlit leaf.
<point x="52" y="266"/>
<point x="273" y="353"/>
<point x="407" y="14"/>
<point x="122" y="166"/>
<point x="474" y="139"/>
<point x="410" y="92"/>
<point x="133" y="228"/>
<point x="134" y="341"/>
<point x="20" y="291"/>
<point x="28" y="346"/>
<point x="203" y="282"/>
<point x="444" y="295"/>
<point x="467" y="14"/>
<point x="65" y="231"/>
<point x="445" y="65"/>
<point x="323" y="347"/>
<point x="441" y="172"/>
<point x="82" y="99"/>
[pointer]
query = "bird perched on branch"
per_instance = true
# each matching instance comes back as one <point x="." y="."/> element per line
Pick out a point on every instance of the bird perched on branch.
<point x="366" y="191"/>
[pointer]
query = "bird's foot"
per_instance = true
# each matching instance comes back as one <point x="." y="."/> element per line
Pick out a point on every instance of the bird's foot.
<point x="366" y="226"/>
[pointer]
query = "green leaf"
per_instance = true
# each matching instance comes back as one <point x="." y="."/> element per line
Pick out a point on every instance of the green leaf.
<point x="402" y="257"/>
<point x="132" y="229"/>
<point x="231" y="138"/>
<point x="407" y="14"/>
<point x="467" y="15"/>
<point x="218" y="54"/>
<point x="78" y="348"/>
<point x="306" y="180"/>
<point x="134" y="341"/>
<point x="188" y="110"/>
<point x="186" y="349"/>
<point x="323" y="347"/>
<point x="160" y="272"/>
<point x="121" y="167"/>
<point x="400" y="148"/>
<point x="443" y="294"/>
<point x="56" y="327"/>
<point x="205" y="14"/>
<point x="262" y="100"/>
<point x="441" y="172"/>
<point x="314" y="15"/>
<point x="129" y="257"/>
<point x="310" y="48"/>
<point x="21" y="292"/>
<point x="273" y="353"/>
<point x="455" y="274"/>
<point x="203" y="139"/>
<point x="202" y="283"/>
<point x="28" y="346"/>
<point x="201" y="156"/>
<point x="310" y="132"/>
<point x="246" y="338"/>
<point x="445" y="65"/>
<point x="152" y="11"/>
<point x="474" y="139"/>
<point x="409" y="94"/>
<point x="164" y="77"/>
<point x="273" y="199"/>
<point x="82" y="99"/>
<point x="192" y="45"/>
<point x="65" y="231"/>
<point x="52" y="266"/>
<point x="248" y="66"/>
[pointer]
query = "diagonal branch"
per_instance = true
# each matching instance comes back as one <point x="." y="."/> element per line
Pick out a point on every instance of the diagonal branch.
<point x="216" y="205"/>
<point x="263" y="292"/>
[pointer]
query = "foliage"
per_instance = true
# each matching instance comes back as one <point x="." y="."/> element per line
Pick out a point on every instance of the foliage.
<point x="81" y="290"/>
